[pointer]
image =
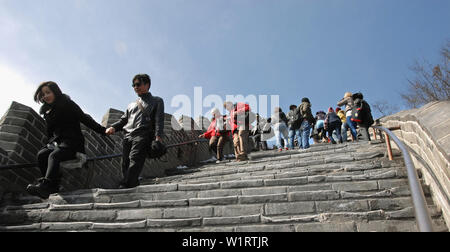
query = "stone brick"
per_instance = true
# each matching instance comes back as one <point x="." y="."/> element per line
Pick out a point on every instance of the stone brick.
<point x="119" y="226"/>
<point x="316" y="179"/>
<point x="326" y="227"/>
<point x="189" y="212"/>
<point x="168" y="223"/>
<point x="342" y="206"/>
<point x="157" y="188"/>
<point x="237" y="210"/>
<point x="131" y="204"/>
<point x="193" y="187"/>
<point x="263" y="191"/>
<point x="387" y="226"/>
<point x="352" y="216"/>
<point x="356" y="186"/>
<point x="309" y="188"/>
<point x="390" y="204"/>
<point x="219" y="193"/>
<point x="164" y="203"/>
<point x="391" y="183"/>
<point x="139" y="214"/>
<point x="289" y="208"/>
<point x="291" y="174"/>
<point x="286" y="181"/>
<point x="232" y="220"/>
<point x="313" y="195"/>
<point x="97" y="215"/>
<point x="66" y="226"/>
<point x="242" y="184"/>
<point x="266" y="228"/>
<point x="71" y="207"/>
<point x="263" y="198"/>
<point x="31" y="227"/>
<point x="175" y="195"/>
<point x="214" y="201"/>
<point x="55" y="216"/>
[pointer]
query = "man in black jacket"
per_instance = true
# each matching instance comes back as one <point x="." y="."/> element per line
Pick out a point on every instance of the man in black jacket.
<point x="143" y="122"/>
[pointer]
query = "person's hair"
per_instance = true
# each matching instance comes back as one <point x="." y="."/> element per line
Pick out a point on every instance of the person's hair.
<point x="306" y="100"/>
<point x="215" y="111"/>
<point x="38" y="95"/>
<point x="227" y="104"/>
<point x="330" y="110"/>
<point x="143" y="79"/>
<point x="338" y="109"/>
<point x="292" y="107"/>
<point x="348" y="94"/>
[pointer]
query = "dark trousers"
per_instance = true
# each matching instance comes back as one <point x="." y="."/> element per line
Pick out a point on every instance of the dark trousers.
<point x="133" y="159"/>
<point x="50" y="159"/>
<point x="364" y="130"/>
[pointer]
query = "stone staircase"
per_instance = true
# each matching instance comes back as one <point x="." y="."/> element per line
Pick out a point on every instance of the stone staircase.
<point x="349" y="187"/>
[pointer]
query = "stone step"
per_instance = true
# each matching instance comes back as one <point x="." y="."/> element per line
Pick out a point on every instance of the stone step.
<point x="279" y="168"/>
<point x="268" y="205"/>
<point x="375" y="220"/>
<point x="238" y="187"/>
<point x="399" y="172"/>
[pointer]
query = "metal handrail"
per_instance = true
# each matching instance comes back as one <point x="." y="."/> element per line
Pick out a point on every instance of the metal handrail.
<point x="90" y="159"/>
<point x="420" y="207"/>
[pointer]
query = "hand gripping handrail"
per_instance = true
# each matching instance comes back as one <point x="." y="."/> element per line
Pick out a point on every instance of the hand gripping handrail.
<point x="420" y="207"/>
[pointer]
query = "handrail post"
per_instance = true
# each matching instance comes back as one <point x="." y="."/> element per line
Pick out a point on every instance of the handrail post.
<point x="420" y="207"/>
<point x="388" y="146"/>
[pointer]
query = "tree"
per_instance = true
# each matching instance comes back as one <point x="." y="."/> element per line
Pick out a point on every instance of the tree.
<point x="431" y="83"/>
<point x="384" y="108"/>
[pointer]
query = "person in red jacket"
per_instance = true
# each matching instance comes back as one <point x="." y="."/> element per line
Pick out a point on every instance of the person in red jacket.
<point x="238" y="121"/>
<point x="217" y="133"/>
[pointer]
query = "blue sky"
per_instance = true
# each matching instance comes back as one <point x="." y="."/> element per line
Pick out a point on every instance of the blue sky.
<point x="317" y="49"/>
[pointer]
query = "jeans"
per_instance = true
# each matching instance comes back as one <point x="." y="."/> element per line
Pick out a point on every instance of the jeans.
<point x="305" y="131"/>
<point x="344" y="128"/>
<point x="292" y="134"/>
<point x="281" y="130"/>
<point x="352" y="127"/>
<point x="49" y="161"/>
<point x="335" y="126"/>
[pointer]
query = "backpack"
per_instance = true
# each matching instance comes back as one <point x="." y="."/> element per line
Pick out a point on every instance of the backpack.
<point x="362" y="113"/>
<point x="295" y="119"/>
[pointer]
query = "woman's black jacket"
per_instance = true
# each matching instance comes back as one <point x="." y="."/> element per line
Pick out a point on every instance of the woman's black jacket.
<point x="63" y="119"/>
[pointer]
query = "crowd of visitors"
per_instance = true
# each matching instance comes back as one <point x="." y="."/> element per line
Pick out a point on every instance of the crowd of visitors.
<point x="143" y="125"/>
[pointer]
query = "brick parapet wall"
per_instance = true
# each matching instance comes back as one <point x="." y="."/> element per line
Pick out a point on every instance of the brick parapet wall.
<point x="427" y="132"/>
<point x="23" y="134"/>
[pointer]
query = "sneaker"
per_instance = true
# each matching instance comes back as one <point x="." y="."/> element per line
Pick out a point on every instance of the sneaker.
<point x="280" y="150"/>
<point x="286" y="148"/>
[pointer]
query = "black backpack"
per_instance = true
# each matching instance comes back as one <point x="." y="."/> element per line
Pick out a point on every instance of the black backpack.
<point x="361" y="113"/>
<point x="295" y="118"/>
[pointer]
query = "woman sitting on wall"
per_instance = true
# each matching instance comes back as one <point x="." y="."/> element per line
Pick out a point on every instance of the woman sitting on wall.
<point x="217" y="133"/>
<point x="63" y="117"/>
